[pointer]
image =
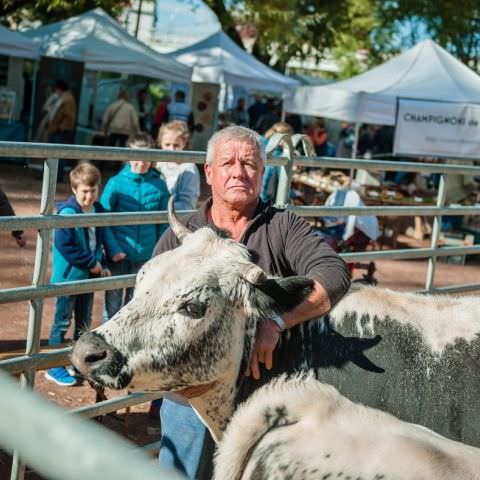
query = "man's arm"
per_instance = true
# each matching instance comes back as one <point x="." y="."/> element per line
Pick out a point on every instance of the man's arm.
<point x="310" y="256"/>
<point x="268" y="331"/>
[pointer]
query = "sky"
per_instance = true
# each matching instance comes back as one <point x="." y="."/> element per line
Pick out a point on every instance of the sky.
<point x="178" y="20"/>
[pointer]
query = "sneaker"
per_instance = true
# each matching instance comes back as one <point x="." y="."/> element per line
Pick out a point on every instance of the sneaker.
<point x="61" y="377"/>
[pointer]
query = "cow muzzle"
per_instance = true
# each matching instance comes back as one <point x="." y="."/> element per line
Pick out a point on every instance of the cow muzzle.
<point x="99" y="362"/>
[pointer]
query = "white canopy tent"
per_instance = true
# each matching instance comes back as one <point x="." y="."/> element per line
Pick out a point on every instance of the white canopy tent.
<point x="14" y="44"/>
<point x="425" y="72"/>
<point x="104" y="45"/>
<point x="218" y="59"/>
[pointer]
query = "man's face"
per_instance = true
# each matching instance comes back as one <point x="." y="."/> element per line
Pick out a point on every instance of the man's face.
<point x="235" y="174"/>
<point x="86" y="195"/>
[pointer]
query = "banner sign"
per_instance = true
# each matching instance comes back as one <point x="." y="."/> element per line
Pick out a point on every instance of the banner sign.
<point x="437" y="129"/>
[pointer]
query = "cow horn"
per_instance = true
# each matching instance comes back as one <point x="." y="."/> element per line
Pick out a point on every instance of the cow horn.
<point x="255" y="275"/>
<point x="178" y="228"/>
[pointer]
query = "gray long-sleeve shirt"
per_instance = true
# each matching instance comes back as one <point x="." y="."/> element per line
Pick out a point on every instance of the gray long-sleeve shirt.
<point x="282" y="244"/>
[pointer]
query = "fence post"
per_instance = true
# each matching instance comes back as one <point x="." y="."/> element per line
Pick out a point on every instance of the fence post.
<point x="285" y="176"/>
<point x="39" y="278"/>
<point x="436" y="229"/>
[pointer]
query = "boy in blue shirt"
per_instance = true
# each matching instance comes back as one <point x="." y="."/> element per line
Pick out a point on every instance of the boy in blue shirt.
<point x="138" y="187"/>
<point x="77" y="255"/>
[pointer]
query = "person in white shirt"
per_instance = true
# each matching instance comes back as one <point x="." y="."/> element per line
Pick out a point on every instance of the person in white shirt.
<point x="183" y="179"/>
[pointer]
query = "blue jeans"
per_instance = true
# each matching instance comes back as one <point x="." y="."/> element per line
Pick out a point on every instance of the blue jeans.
<point x="115" y="299"/>
<point x="81" y="307"/>
<point x="182" y="440"/>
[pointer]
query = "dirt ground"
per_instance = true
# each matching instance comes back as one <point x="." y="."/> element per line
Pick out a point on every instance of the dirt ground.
<point x="24" y="191"/>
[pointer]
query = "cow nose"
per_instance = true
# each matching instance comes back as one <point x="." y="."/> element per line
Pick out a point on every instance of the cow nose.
<point x="90" y="352"/>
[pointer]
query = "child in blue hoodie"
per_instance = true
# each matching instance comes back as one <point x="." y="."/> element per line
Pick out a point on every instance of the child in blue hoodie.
<point x="138" y="187"/>
<point x="77" y="255"/>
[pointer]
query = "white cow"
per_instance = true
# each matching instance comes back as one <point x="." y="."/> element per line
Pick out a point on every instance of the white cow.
<point x="193" y="317"/>
<point x="303" y="429"/>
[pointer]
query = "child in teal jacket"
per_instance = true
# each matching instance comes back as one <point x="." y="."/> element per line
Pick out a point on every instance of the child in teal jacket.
<point x="136" y="188"/>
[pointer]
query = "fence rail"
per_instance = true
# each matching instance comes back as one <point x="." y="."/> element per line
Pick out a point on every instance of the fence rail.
<point x="33" y="359"/>
<point x="64" y="447"/>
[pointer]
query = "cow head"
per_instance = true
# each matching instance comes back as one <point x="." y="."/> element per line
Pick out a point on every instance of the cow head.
<point x="191" y="321"/>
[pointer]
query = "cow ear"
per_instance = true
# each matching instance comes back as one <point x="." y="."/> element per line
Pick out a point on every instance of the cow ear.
<point x="288" y="292"/>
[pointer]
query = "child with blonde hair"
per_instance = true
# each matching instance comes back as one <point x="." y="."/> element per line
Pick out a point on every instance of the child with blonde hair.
<point x="183" y="179"/>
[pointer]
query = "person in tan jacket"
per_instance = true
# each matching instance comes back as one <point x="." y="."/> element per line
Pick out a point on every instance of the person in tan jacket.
<point x="62" y="120"/>
<point x="120" y="121"/>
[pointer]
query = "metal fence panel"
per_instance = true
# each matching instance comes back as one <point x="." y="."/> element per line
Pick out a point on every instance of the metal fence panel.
<point x="61" y="446"/>
<point x="114" y="461"/>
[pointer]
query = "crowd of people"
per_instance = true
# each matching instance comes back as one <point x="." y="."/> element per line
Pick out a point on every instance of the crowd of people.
<point x="80" y="253"/>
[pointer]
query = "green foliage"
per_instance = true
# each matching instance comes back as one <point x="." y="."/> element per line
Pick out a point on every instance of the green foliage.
<point x="313" y="28"/>
<point x="343" y="28"/>
<point x="455" y="26"/>
<point x="305" y="28"/>
<point x="49" y="11"/>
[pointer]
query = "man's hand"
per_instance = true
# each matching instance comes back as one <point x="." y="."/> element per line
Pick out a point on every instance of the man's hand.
<point x="268" y="334"/>
<point x="119" y="257"/>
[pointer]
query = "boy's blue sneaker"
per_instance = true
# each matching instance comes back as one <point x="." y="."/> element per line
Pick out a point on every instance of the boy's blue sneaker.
<point x="61" y="377"/>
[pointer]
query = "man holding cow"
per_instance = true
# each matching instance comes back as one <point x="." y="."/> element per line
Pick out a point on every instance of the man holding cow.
<point x="280" y="242"/>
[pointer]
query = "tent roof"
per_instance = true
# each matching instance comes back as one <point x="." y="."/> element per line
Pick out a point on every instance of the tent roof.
<point x="15" y="44"/>
<point x="218" y="59"/>
<point x="425" y="72"/>
<point x="104" y="45"/>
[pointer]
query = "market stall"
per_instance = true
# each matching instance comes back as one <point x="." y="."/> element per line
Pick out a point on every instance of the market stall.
<point x="220" y="63"/>
<point x="103" y="45"/>
<point x="430" y="96"/>
<point x="15" y="49"/>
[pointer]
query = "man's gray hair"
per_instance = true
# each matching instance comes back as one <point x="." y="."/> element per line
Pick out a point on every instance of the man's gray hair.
<point x="235" y="132"/>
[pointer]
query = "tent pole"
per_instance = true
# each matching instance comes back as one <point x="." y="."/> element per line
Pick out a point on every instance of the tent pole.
<point x="139" y="14"/>
<point x="32" y="100"/>
<point x="354" y="150"/>
<point x="94" y="99"/>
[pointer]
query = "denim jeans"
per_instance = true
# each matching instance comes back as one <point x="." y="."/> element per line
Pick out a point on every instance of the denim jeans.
<point x="115" y="299"/>
<point x="81" y="307"/>
<point x="182" y="440"/>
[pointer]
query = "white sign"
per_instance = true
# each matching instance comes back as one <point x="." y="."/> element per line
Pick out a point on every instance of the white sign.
<point x="437" y="129"/>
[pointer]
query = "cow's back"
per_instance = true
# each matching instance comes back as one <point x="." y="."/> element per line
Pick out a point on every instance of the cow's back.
<point x="430" y="377"/>
<point x="304" y="429"/>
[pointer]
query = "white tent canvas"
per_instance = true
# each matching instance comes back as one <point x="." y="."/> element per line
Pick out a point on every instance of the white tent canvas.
<point x="104" y="45"/>
<point x="425" y="72"/>
<point x="14" y="44"/>
<point x="218" y="59"/>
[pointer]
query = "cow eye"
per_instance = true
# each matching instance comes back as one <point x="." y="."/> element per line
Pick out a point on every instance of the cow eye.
<point x="194" y="310"/>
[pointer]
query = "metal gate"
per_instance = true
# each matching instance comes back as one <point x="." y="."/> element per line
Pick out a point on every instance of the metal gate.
<point x="26" y="365"/>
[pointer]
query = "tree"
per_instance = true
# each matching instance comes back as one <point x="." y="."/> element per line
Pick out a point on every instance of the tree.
<point x="48" y="11"/>
<point x="303" y="28"/>
<point x="456" y="27"/>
